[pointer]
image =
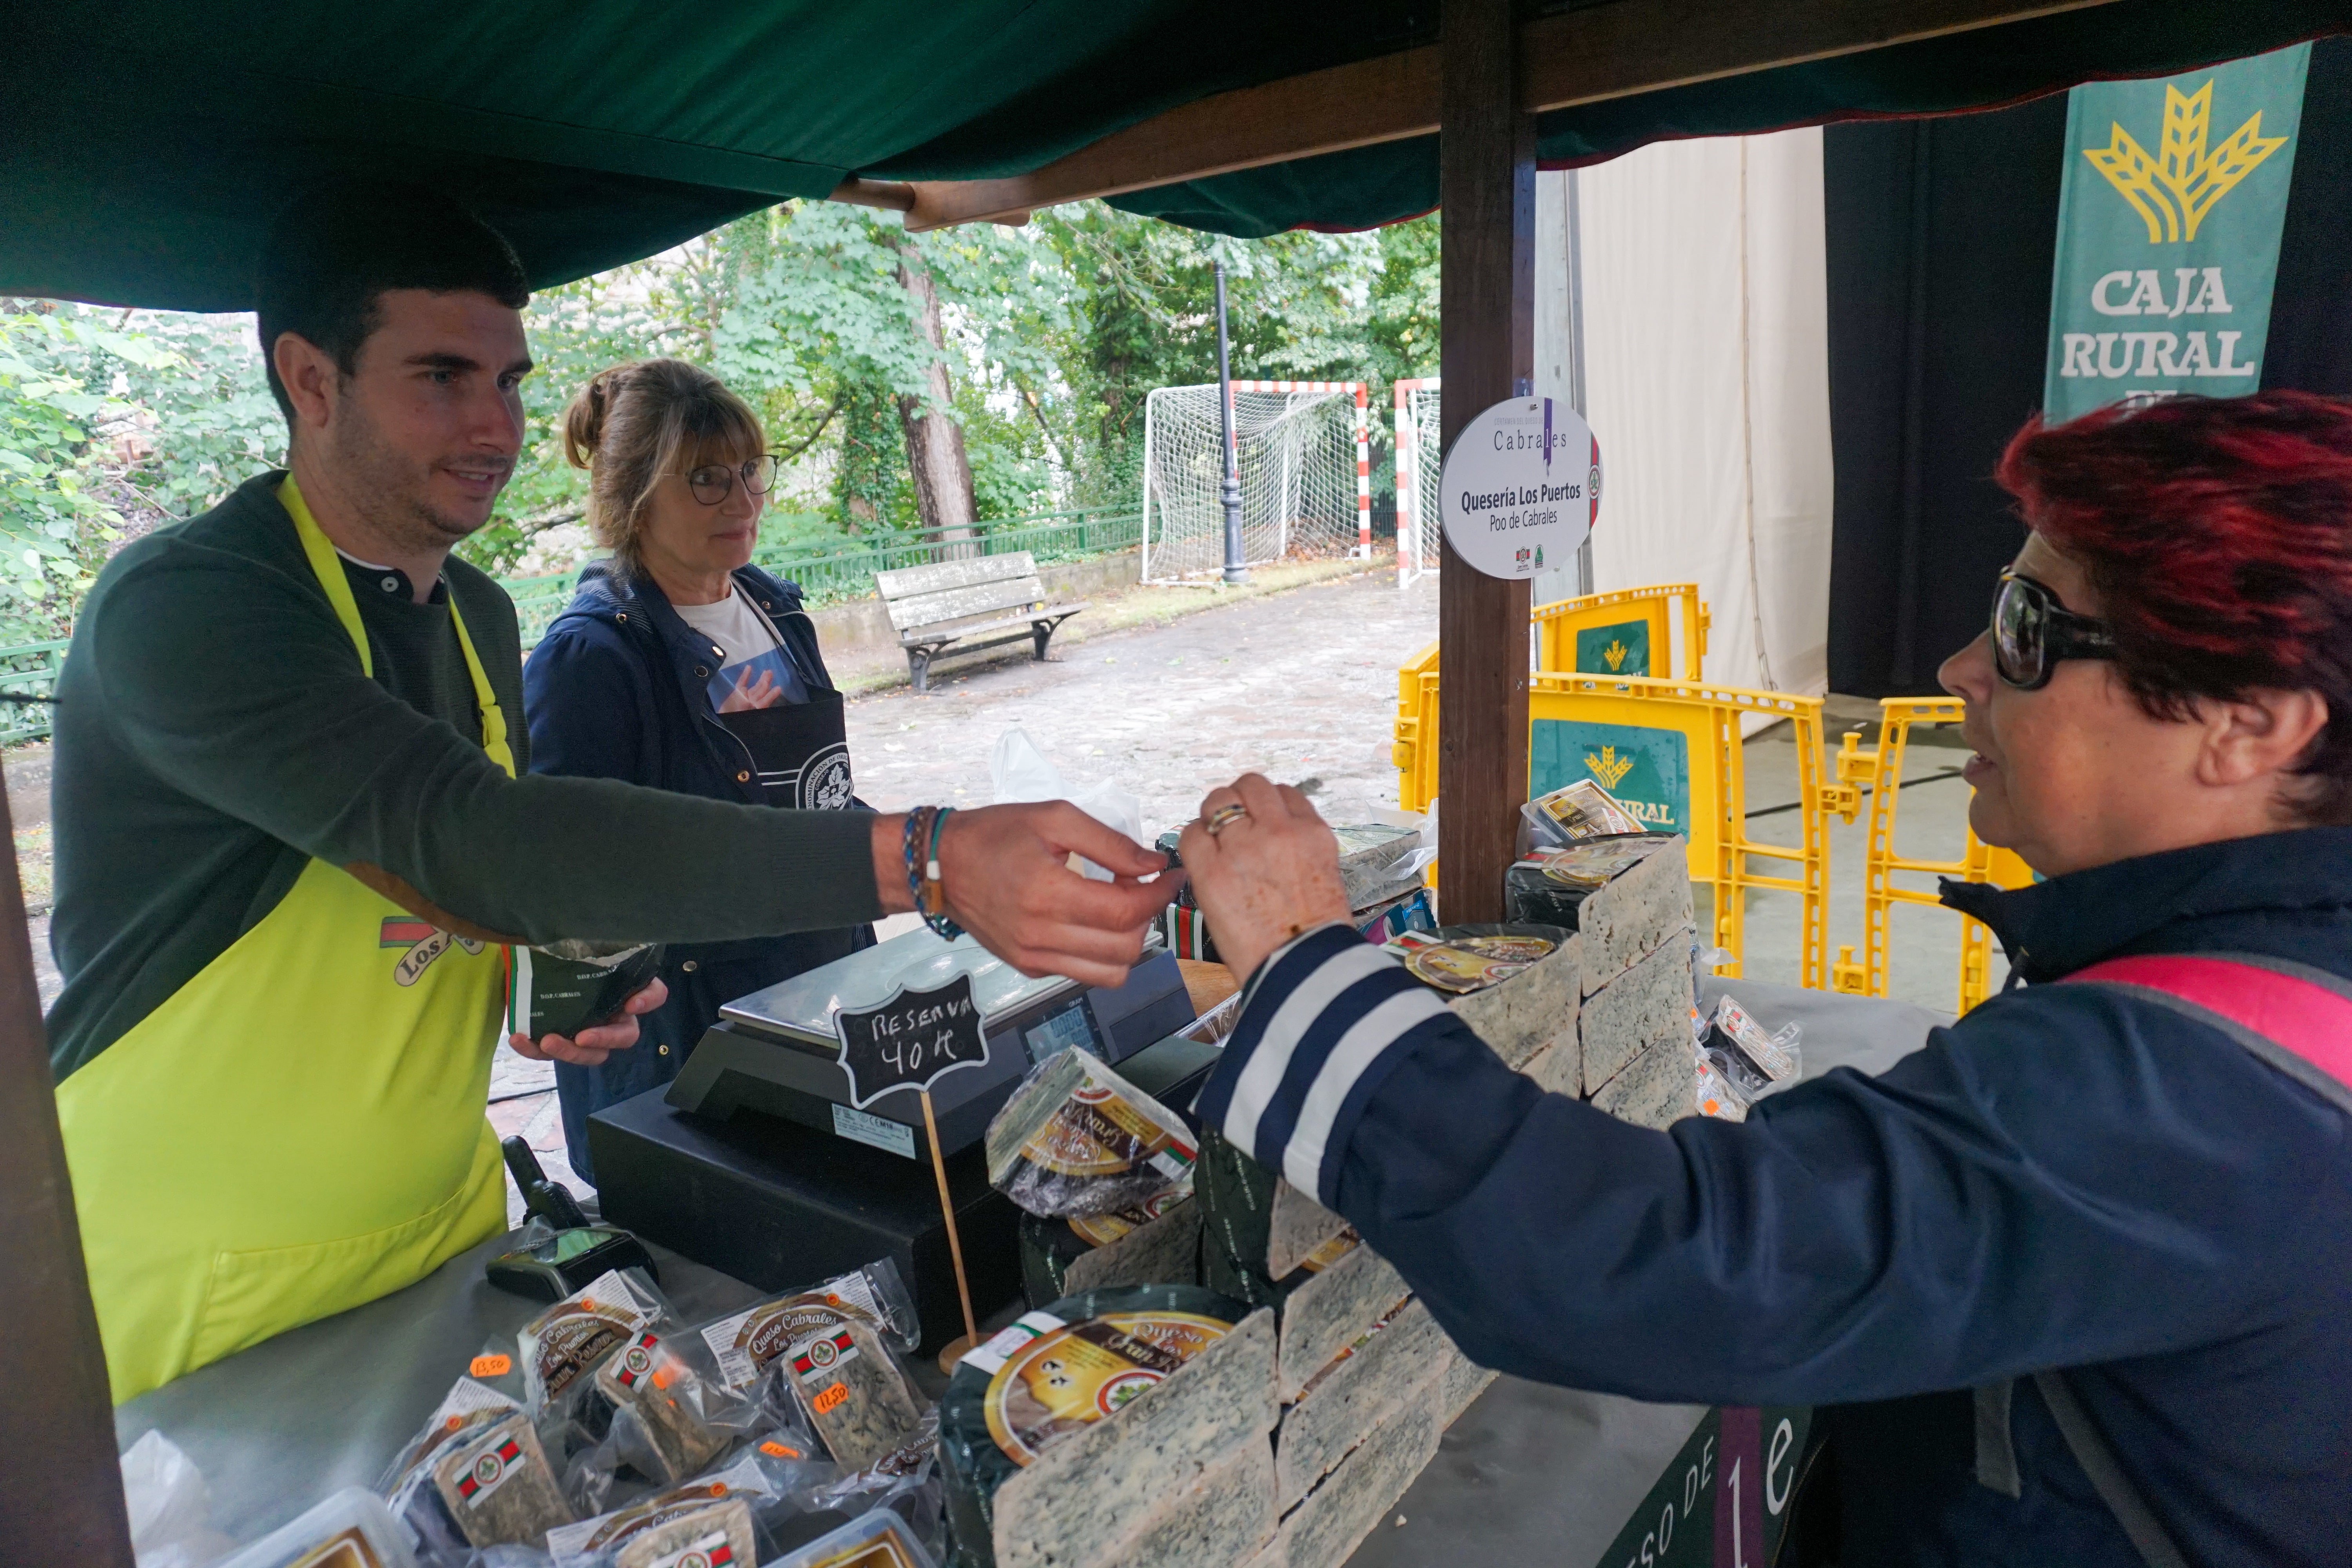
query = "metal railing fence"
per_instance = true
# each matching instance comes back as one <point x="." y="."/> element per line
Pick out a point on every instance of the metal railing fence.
<point x="825" y="576"/>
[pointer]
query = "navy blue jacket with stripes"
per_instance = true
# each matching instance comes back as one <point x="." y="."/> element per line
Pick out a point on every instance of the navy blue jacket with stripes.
<point x="2072" y="1176"/>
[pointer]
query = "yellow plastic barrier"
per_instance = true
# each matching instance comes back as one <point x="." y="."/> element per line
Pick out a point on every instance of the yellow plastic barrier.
<point x="1881" y="771"/>
<point x="1672" y="753"/>
<point x="1628" y="632"/>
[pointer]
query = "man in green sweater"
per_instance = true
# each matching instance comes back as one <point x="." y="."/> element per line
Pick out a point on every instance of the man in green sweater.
<point x="295" y="825"/>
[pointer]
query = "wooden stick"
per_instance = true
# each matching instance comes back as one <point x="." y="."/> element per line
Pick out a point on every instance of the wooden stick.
<point x="946" y="1211"/>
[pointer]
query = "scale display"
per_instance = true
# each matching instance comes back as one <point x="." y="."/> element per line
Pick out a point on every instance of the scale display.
<point x="1057" y="1032"/>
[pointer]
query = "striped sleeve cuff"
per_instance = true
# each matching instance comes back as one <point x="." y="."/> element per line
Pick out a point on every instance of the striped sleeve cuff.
<point x="1323" y="1018"/>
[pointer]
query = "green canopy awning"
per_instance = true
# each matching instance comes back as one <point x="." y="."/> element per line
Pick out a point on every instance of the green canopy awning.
<point x="143" y="145"/>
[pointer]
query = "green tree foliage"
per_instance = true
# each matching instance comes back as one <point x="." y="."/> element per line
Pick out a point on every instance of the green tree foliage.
<point x="114" y="422"/>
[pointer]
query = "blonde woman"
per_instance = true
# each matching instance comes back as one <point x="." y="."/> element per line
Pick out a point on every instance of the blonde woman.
<point x="682" y="666"/>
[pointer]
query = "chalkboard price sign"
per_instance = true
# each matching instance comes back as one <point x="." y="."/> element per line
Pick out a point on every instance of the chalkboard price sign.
<point x="910" y="1041"/>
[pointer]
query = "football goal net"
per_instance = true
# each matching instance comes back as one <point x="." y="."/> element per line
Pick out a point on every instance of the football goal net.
<point x="1420" y="453"/>
<point x="1306" y="485"/>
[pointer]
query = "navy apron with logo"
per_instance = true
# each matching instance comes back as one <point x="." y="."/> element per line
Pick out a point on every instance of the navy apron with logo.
<point x="801" y="752"/>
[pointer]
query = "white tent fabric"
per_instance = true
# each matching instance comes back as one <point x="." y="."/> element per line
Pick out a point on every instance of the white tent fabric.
<point x="1705" y="309"/>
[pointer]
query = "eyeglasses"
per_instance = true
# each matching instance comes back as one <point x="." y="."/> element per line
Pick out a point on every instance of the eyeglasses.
<point x="2031" y="631"/>
<point x="712" y="482"/>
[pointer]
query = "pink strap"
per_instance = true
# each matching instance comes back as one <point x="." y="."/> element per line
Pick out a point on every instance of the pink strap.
<point x="2296" y="1015"/>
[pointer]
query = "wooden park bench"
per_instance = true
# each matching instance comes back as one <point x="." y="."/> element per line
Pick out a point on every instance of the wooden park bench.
<point x="958" y="607"/>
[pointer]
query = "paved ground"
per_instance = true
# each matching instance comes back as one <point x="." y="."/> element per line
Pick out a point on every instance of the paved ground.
<point x="1300" y="685"/>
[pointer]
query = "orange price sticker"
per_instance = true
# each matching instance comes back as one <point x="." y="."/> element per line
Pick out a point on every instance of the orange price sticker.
<point x="490" y="1365"/>
<point x="775" y="1450"/>
<point x="829" y="1398"/>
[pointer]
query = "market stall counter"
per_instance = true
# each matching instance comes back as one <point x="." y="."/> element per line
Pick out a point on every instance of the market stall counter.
<point x="1527" y="1473"/>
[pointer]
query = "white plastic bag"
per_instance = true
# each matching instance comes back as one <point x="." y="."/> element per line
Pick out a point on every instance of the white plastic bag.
<point x="170" y="1506"/>
<point x="1019" y="772"/>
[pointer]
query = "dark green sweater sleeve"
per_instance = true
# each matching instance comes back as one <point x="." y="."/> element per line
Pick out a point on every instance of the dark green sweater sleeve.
<point x="233" y="680"/>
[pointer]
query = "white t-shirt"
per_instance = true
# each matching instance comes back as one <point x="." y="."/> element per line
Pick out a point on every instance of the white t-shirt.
<point x="754" y="668"/>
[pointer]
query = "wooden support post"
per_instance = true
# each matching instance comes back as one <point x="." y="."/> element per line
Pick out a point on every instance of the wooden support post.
<point x="61" y="1488"/>
<point x="1486" y="184"/>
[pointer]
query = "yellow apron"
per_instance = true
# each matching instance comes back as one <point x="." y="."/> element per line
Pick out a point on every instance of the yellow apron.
<point x="299" y="1129"/>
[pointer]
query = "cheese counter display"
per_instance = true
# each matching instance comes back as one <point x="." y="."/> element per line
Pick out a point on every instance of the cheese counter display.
<point x="1183" y="1358"/>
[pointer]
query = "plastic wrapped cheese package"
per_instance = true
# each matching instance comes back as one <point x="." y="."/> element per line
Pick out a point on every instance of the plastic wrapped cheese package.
<point x="827" y="1360"/>
<point x="1076" y="1139"/>
<point x="1775" y="1058"/>
<point x="475" y="1475"/>
<point x="1580" y="810"/>
<point x="877" y="1539"/>
<point x="350" y="1528"/>
<point x="744" y="1502"/>
<point x="672" y="1411"/>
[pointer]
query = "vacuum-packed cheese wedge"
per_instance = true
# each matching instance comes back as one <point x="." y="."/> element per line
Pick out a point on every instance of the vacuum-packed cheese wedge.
<point x="575" y="1336"/>
<point x="719" y="1535"/>
<point x="1076" y="1139"/>
<point x="831" y="1356"/>
<point x="498" y="1487"/>
<point x="654" y="1386"/>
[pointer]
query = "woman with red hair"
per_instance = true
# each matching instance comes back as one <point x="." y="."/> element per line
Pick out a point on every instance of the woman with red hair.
<point x="2076" y="1275"/>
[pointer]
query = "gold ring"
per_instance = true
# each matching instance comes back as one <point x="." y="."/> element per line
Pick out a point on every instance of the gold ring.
<point x="1224" y="816"/>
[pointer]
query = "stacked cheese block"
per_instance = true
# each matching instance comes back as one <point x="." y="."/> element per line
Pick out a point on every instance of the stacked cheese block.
<point x="1284" y="1442"/>
<point x="1635" y="1024"/>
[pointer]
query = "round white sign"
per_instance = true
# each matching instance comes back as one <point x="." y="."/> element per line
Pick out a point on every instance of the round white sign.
<point x="1521" y="487"/>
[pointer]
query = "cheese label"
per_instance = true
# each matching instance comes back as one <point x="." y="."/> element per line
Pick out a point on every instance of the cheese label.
<point x="747" y="1342"/>
<point x="1058" y="1383"/>
<point x="1098" y="1133"/>
<point x="1013" y="1336"/>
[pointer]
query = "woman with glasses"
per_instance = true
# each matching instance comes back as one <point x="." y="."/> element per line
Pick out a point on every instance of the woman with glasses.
<point x="2075" y="1277"/>
<point x="682" y="666"/>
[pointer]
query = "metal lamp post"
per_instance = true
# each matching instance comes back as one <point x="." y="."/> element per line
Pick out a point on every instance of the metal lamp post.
<point x="1236" y="568"/>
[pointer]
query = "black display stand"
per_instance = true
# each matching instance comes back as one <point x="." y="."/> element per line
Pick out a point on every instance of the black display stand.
<point x="781" y="1205"/>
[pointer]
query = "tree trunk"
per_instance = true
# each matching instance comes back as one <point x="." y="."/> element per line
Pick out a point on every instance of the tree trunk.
<point x="935" y="453"/>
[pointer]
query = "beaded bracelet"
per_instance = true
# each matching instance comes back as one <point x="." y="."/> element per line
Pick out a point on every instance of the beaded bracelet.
<point x="923" y="883"/>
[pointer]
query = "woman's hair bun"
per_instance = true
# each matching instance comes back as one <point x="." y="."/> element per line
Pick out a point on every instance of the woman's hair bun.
<point x="583" y="421"/>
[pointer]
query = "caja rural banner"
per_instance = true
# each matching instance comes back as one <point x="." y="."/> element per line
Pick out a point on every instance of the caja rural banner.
<point x="2169" y="222"/>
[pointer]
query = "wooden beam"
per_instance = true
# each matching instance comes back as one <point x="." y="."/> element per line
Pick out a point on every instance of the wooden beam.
<point x="1487" y="292"/>
<point x="1586" y="56"/>
<point x="60" y="1488"/>
<point x="891" y="196"/>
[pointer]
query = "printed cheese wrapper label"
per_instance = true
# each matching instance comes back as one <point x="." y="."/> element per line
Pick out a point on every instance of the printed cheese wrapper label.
<point x="1056" y="1385"/>
<point x="574" y="1336"/>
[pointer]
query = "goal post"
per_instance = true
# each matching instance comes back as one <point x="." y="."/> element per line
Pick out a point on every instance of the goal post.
<point x="1420" y="453"/>
<point x="1305" y="453"/>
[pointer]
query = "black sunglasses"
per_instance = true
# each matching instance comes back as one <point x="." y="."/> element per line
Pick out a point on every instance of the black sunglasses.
<point x="711" y="482"/>
<point x="2031" y="631"/>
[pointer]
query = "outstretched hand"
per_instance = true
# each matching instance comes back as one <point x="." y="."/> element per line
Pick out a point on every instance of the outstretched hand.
<point x="1265" y="877"/>
<point x="1006" y="872"/>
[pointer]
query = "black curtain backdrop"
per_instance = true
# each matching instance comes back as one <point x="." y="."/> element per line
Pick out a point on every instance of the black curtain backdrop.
<point x="1941" y="237"/>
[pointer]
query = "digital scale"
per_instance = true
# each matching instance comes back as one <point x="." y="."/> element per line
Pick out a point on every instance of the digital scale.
<point x="774" y="1051"/>
<point x="753" y="1160"/>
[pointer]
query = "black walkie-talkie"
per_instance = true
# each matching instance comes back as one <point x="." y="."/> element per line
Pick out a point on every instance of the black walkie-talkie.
<point x="578" y="1253"/>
